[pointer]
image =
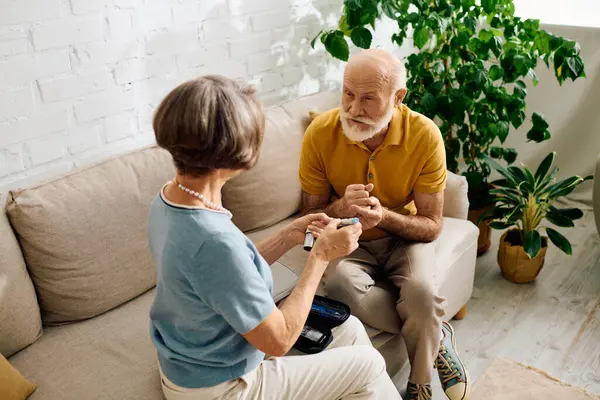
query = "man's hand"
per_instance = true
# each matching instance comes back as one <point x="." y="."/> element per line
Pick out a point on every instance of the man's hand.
<point x="356" y="198"/>
<point x="371" y="216"/>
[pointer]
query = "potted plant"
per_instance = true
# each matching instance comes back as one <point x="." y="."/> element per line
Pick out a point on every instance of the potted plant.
<point x="468" y="74"/>
<point x="523" y="200"/>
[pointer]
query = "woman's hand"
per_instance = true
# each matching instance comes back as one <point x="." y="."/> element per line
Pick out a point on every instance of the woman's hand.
<point x="334" y="243"/>
<point x="296" y="230"/>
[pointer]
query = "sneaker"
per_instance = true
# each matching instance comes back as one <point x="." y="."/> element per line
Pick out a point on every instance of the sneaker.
<point x="418" y="392"/>
<point x="454" y="377"/>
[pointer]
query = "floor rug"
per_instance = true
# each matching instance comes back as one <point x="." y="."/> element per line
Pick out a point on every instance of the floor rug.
<point x="508" y="380"/>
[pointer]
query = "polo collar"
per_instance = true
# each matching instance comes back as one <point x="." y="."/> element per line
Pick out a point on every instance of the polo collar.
<point x="393" y="136"/>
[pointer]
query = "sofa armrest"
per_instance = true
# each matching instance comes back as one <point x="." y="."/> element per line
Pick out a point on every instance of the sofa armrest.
<point x="456" y="200"/>
<point x="596" y="194"/>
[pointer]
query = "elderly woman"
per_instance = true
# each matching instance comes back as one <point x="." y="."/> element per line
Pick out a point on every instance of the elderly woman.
<point x="214" y="318"/>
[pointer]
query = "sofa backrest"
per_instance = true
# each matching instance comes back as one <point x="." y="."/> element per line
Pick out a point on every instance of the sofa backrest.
<point x="270" y="192"/>
<point x="84" y="235"/>
<point x="20" y="322"/>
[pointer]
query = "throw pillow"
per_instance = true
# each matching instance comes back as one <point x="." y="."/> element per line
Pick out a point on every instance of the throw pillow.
<point x="13" y="386"/>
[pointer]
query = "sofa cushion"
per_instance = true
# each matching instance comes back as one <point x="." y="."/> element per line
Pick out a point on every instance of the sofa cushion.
<point x="456" y="201"/>
<point x="270" y="192"/>
<point x="107" y="357"/>
<point x="20" y="322"/>
<point x="84" y="235"/>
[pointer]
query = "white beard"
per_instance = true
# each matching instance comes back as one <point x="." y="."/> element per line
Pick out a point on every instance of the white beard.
<point x="357" y="134"/>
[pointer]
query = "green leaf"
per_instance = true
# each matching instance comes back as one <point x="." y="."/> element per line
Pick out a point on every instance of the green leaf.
<point x="503" y="130"/>
<point x="559" y="220"/>
<point x="501" y="170"/>
<point x="531" y="26"/>
<point x="413" y="18"/>
<point x="575" y="65"/>
<point x="538" y="135"/>
<point x="564" y="187"/>
<point x="532" y="243"/>
<point x="496" y="72"/>
<point x="470" y="23"/>
<point x="481" y="78"/>
<point x="510" y="155"/>
<point x="571" y="213"/>
<point x="485" y="35"/>
<point x="517" y="117"/>
<point x="500" y="225"/>
<point x="496" y="152"/>
<point x="507" y="195"/>
<point x="539" y="121"/>
<point x="421" y="36"/>
<point x="467" y="4"/>
<point x="337" y="46"/>
<point x="544" y="167"/>
<point x="361" y="37"/>
<point x="542" y="42"/>
<point x="429" y="103"/>
<point x="489" y="6"/>
<point x="559" y="241"/>
<point x="390" y="8"/>
<point x="533" y="76"/>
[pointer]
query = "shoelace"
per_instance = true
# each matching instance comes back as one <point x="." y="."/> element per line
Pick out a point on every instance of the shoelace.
<point x="423" y="392"/>
<point x="446" y="367"/>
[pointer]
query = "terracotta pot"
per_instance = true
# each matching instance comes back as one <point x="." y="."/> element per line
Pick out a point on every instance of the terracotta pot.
<point x="484" y="241"/>
<point x="515" y="264"/>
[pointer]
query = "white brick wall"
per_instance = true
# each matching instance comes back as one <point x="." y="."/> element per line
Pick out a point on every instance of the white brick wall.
<point x="80" y="79"/>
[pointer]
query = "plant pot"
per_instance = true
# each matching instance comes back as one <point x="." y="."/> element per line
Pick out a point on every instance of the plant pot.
<point x="484" y="241"/>
<point x="515" y="264"/>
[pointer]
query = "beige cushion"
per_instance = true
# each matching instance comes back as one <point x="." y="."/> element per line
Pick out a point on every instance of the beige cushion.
<point x="107" y="357"/>
<point x="299" y="109"/>
<point x="84" y="235"/>
<point x="270" y="192"/>
<point x="456" y="201"/>
<point x="20" y="323"/>
<point x="12" y="384"/>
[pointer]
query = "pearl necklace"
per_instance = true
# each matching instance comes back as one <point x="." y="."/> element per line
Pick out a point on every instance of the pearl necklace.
<point x="204" y="200"/>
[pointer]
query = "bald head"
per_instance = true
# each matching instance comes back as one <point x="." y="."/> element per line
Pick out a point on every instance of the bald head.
<point x="377" y="65"/>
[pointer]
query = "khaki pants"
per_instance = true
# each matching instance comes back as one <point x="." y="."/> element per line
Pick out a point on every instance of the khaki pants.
<point x="350" y="368"/>
<point x="403" y="300"/>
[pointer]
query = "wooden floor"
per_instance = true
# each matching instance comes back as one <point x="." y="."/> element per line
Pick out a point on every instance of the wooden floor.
<point x="553" y="324"/>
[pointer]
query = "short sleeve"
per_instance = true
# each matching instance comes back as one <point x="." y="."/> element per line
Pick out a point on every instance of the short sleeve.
<point x="231" y="284"/>
<point x="313" y="178"/>
<point x="432" y="178"/>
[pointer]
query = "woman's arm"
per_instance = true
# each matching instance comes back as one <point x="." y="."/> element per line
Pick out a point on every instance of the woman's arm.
<point x="273" y="247"/>
<point x="279" y="331"/>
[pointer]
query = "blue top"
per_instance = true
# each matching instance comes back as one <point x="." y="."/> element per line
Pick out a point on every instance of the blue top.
<point x="213" y="286"/>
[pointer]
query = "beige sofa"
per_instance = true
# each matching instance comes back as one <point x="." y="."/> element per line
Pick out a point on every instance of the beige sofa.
<point x="74" y="254"/>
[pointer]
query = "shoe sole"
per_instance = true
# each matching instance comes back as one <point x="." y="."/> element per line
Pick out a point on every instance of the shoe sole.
<point x="468" y="382"/>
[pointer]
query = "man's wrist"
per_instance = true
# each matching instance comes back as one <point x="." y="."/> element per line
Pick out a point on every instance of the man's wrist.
<point x="385" y="218"/>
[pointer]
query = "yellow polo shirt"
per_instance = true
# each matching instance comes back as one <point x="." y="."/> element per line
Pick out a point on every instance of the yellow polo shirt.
<point x="412" y="158"/>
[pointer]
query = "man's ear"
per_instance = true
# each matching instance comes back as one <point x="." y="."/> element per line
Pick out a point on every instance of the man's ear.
<point x="399" y="96"/>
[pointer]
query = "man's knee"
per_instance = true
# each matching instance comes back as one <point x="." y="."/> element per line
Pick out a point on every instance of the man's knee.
<point x="343" y="283"/>
<point x="420" y="296"/>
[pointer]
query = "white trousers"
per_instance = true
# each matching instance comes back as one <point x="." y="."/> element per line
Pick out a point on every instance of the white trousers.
<point x="350" y="368"/>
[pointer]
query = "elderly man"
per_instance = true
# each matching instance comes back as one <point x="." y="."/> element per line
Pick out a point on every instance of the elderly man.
<point x="376" y="159"/>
